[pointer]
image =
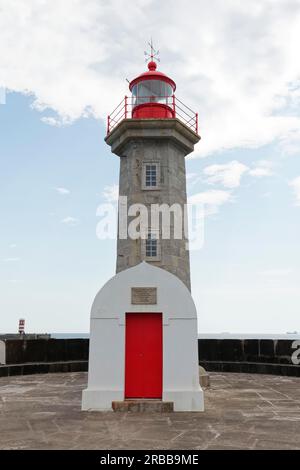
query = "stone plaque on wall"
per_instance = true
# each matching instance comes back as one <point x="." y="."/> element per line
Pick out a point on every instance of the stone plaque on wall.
<point x="144" y="295"/>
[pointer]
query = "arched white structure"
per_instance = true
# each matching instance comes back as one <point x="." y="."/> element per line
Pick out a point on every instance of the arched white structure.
<point x="107" y="341"/>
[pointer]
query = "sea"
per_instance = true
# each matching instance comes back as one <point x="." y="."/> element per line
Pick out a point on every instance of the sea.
<point x="69" y="335"/>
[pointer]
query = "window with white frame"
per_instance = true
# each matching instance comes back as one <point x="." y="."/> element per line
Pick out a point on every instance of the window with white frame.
<point x="150" y="175"/>
<point x="151" y="246"/>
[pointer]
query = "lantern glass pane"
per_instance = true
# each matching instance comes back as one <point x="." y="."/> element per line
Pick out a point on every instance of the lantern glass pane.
<point x="152" y="91"/>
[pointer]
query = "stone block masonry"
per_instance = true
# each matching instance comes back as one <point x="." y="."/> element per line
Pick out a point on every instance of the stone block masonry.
<point x="45" y="350"/>
<point x="242" y="412"/>
<point x="223" y="355"/>
<point x="262" y="356"/>
<point x="164" y="142"/>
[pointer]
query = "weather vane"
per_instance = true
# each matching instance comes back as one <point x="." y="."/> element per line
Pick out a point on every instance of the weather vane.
<point x="153" y="53"/>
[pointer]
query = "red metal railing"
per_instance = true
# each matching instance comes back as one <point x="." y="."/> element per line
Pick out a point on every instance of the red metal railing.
<point x="125" y="108"/>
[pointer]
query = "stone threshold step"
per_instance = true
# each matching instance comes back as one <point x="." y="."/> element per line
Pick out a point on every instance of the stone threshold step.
<point x="143" y="406"/>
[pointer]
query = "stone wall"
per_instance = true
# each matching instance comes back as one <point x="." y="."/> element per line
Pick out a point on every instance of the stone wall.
<point x="174" y="257"/>
<point x="49" y="350"/>
<point x="165" y="142"/>
<point x="264" y="356"/>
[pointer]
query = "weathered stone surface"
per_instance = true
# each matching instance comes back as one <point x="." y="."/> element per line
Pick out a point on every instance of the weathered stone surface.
<point x="171" y="129"/>
<point x="242" y="411"/>
<point x="290" y="370"/>
<point x="43" y="368"/>
<point x="231" y="349"/>
<point x="143" y="406"/>
<point x="253" y="356"/>
<point x="267" y="349"/>
<point x="247" y="353"/>
<point x="203" y="377"/>
<point x="251" y="349"/>
<point x="46" y="350"/>
<point x="165" y="142"/>
<point x="144" y="295"/>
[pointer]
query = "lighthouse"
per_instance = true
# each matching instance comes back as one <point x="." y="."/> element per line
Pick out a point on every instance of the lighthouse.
<point x="143" y="343"/>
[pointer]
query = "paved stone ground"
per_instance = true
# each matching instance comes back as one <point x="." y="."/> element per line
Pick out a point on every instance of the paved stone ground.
<point x="242" y="412"/>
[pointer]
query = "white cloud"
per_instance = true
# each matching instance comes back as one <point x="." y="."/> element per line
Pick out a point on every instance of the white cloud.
<point x="111" y="193"/>
<point x="263" y="168"/>
<point x="229" y="174"/>
<point x="276" y="273"/>
<point x="53" y="121"/>
<point x="12" y="245"/>
<point x="12" y="260"/>
<point x="260" y="171"/>
<point x="239" y="68"/>
<point x="211" y="200"/>
<point x="290" y="144"/>
<point x="71" y="221"/>
<point x="62" y="191"/>
<point x="295" y="185"/>
<point x="191" y="176"/>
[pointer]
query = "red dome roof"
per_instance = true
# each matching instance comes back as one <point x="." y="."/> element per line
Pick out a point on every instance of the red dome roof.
<point x="152" y="74"/>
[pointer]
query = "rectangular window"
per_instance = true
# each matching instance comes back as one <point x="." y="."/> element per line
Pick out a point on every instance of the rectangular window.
<point x="150" y="177"/>
<point x="151" y="246"/>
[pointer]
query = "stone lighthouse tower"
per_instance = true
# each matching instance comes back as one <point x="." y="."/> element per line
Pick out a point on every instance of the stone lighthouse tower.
<point x="152" y="132"/>
<point x="143" y="343"/>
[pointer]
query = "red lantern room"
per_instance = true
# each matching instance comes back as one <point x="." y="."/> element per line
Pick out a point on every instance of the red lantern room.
<point x="152" y="95"/>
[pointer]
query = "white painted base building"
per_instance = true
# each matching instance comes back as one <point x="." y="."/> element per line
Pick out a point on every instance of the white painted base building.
<point x="109" y="353"/>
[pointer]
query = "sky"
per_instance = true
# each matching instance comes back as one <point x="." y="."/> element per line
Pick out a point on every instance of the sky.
<point x="64" y="67"/>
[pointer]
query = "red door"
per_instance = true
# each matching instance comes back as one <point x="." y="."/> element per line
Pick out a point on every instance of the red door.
<point x="143" y="355"/>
